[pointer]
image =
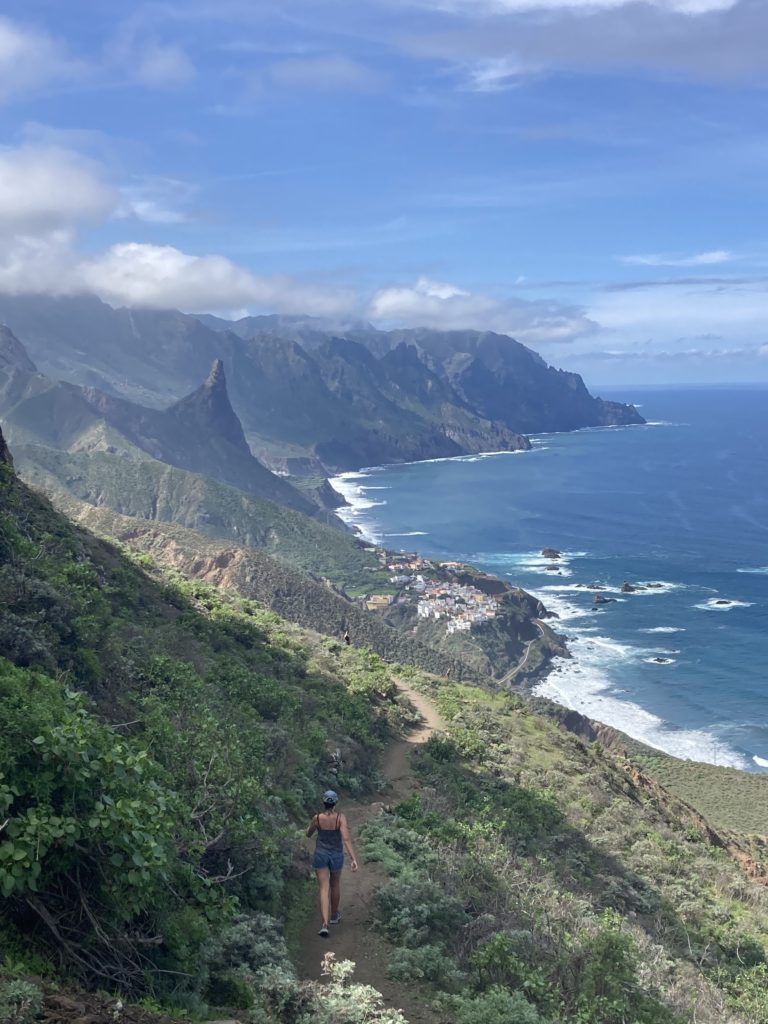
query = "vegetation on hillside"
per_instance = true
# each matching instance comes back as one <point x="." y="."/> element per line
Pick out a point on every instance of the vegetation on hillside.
<point x="728" y="798"/>
<point x="161" y="742"/>
<point x="164" y="741"/>
<point x="534" y="879"/>
<point x="144" y="488"/>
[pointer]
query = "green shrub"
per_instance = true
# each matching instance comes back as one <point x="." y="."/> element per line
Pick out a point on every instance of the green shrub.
<point x="506" y="959"/>
<point x="413" y="910"/>
<point x="343" y="1001"/>
<point x="494" y="1007"/>
<point x="442" y="749"/>
<point x="20" y="1002"/>
<point x="427" y="963"/>
<point x="80" y="794"/>
<point x="748" y="992"/>
<point x="605" y="984"/>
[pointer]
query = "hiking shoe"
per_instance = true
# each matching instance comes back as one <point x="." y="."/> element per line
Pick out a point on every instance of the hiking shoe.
<point x="336" y="919"/>
<point x="323" y="933"/>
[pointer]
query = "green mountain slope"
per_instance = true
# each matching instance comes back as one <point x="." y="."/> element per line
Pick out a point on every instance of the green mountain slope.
<point x="546" y="880"/>
<point x="200" y="433"/>
<point x="160" y="744"/>
<point x="293" y="594"/>
<point x="163" y="740"/>
<point x="347" y="394"/>
<point x="147" y="489"/>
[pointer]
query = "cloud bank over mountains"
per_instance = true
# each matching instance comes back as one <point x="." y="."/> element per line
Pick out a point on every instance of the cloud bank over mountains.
<point x="548" y="169"/>
<point x="48" y="195"/>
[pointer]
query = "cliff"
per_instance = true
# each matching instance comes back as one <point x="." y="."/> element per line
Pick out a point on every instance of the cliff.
<point x="345" y="395"/>
<point x="200" y="433"/>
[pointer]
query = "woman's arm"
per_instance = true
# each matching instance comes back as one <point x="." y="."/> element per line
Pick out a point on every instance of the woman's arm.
<point x="312" y="826"/>
<point x="346" y="840"/>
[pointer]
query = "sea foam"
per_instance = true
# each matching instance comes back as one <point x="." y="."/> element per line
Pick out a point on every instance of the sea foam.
<point x="714" y="605"/>
<point x="584" y="684"/>
<point x="663" y="629"/>
<point x="353" y="491"/>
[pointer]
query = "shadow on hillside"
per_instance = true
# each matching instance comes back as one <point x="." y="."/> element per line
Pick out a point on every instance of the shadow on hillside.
<point x="557" y="855"/>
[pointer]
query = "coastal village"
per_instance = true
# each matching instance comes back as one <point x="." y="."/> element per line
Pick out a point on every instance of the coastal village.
<point x="460" y="605"/>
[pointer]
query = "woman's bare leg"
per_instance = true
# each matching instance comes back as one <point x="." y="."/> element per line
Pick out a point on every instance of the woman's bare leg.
<point x="335" y="892"/>
<point x="323" y="881"/>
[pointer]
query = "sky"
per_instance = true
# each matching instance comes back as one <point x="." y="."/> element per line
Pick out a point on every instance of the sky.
<point x="588" y="176"/>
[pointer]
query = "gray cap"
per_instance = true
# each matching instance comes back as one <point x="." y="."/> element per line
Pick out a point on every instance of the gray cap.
<point x="330" y="796"/>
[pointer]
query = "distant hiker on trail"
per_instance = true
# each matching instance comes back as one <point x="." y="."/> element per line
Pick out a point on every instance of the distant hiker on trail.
<point x="347" y="637"/>
<point x="328" y="860"/>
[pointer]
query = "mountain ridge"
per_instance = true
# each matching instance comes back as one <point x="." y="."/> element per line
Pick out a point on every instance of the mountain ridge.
<point x="199" y="433"/>
<point x="306" y="389"/>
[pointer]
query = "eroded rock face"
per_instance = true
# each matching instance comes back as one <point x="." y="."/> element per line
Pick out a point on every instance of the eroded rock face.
<point x="208" y="409"/>
<point x="13" y="355"/>
<point x="5" y="453"/>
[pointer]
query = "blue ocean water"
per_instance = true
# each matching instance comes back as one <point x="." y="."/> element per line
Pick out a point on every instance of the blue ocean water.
<point x="682" y="502"/>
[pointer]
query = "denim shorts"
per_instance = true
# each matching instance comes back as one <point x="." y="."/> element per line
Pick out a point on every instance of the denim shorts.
<point x="331" y="859"/>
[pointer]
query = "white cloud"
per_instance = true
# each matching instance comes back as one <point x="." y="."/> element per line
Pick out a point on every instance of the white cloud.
<point x="48" y="194"/>
<point x="162" y="276"/>
<point x="29" y="59"/>
<point x="698" y="259"/>
<point x="431" y="303"/>
<point x="163" y="65"/>
<point x="496" y="74"/>
<point x="42" y="189"/>
<point x="733" y="309"/>
<point x="490" y="43"/>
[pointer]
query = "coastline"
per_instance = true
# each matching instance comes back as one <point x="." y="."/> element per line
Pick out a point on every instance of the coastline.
<point x="357" y="503"/>
<point x="589" y="681"/>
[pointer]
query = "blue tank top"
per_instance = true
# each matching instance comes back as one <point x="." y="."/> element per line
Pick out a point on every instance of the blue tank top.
<point x="329" y="838"/>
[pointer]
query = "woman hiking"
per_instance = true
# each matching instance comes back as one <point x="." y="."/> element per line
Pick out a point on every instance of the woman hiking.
<point x="328" y="860"/>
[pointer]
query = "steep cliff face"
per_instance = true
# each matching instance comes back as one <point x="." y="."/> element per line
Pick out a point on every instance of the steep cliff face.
<point x="348" y="394"/>
<point x="13" y="355"/>
<point x="208" y="411"/>
<point x="436" y="399"/>
<point x="201" y="433"/>
<point x="6" y="459"/>
<point x="506" y="381"/>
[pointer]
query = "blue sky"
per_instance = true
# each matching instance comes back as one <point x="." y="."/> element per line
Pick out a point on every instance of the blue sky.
<point x="587" y="176"/>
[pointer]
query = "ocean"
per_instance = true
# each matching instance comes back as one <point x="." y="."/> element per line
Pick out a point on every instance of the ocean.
<point x="681" y="502"/>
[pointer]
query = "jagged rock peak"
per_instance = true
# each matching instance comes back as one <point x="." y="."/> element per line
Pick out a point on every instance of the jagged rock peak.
<point x="216" y="378"/>
<point x="209" y="408"/>
<point x="5" y="454"/>
<point x="13" y="355"/>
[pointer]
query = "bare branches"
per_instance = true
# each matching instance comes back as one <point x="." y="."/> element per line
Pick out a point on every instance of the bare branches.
<point x="229" y="876"/>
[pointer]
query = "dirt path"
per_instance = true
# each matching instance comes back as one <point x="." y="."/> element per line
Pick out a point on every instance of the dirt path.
<point x="353" y="939"/>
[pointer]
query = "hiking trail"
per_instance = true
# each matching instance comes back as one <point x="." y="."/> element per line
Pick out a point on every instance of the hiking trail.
<point x="353" y="939"/>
